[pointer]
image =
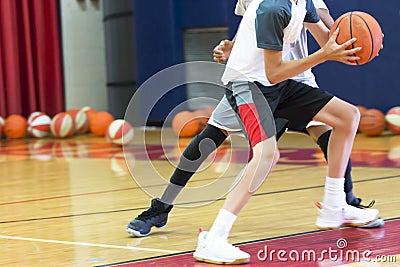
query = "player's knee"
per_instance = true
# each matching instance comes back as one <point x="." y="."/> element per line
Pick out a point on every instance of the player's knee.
<point x="267" y="152"/>
<point x="347" y="121"/>
<point x="352" y="118"/>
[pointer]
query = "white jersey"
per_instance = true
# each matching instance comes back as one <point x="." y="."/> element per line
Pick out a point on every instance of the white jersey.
<point x="294" y="47"/>
<point x="224" y="117"/>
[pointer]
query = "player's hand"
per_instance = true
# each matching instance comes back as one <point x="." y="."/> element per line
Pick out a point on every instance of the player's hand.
<point x="383" y="36"/>
<point x="338" y="52"/>
<point x="222" y="51"/>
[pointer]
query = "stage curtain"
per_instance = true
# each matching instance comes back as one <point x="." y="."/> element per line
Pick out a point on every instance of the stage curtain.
<point x="30" y="57"/>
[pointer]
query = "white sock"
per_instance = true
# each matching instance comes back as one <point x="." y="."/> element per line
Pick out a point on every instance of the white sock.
<point x="334" y="195"/>
<point x="222" y="225"/>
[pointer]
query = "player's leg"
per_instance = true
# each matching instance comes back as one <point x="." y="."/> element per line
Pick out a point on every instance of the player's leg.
<point x="343" y="118"/>
<point x="223" y="117"/>
<point x="248" y="102"/>
<point x="320" y="134"/>
<point x="195" y="153"/>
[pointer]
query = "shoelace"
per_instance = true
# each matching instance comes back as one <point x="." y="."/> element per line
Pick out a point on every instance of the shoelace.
<point x="368" y="206"/>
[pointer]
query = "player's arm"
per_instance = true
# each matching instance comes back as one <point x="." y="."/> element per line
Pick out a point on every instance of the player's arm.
<point x="325" y="17"/>
<point x="278" y="70"/>
<point x="320" y="30"/>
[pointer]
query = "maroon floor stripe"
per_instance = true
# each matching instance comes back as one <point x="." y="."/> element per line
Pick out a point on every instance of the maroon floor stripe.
<point x="326" y="248"/>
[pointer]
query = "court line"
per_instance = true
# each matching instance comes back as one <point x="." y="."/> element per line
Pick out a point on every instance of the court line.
<point x="132" y="188"/>
<point x="85" y="244"/>
<point x="194" y="202"/>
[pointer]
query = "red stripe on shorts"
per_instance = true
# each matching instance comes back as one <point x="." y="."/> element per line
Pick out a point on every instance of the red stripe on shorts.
<point x="249" y="115"/>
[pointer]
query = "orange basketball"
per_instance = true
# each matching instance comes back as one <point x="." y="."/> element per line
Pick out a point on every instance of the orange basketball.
<point x="202" y="116"/>
<point x="99" y="123"/>
<point x="89" y="112"/>
<point x="367" y="31"/>
<point x="209" y="111"/>
<point x="15" y="126"/>
<point x="1" y="126"/>
<point x="362" y="110"/>
<point x="372" y="122"/>
<point x="393" y="120"/>
<point x="185" y="124"/>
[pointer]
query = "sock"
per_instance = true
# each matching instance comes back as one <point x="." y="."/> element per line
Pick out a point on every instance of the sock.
<point x="323" y="141"/>
<point x="333" y="193"/>
<point x="222" y="225"/>
<point x="171" y="193"/>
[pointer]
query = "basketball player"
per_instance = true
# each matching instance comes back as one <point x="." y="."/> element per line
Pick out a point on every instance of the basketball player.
<point x="214" y="134"/>
<point x="256" y="66"/>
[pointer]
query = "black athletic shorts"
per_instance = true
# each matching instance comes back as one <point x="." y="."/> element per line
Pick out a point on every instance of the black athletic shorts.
<point x="293" y="101"/>
<point x="296" y="102"/>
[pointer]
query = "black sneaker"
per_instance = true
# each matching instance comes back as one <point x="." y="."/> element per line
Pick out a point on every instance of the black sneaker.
<point x="156" y="215"/>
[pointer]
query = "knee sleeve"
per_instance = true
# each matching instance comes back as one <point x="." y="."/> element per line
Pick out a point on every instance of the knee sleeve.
<point x="201" y="146"/>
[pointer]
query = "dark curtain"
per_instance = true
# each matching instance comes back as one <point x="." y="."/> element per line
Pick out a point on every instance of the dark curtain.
<point x="30" y="57"/>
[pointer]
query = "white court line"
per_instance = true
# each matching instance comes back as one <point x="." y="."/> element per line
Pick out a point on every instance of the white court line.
<point x="85" y="244"/>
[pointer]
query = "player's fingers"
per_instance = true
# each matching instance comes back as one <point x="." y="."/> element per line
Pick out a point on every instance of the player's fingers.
<point x="219" y="59"/>
<point x="218" y="52"/>
<point x="352" y="58"/>
<point x="351" y="63"/>
<point x="349" y="42"/>
<point x="353" y="50"/>
<point x="335" y="34"/>
<point x="224" y="42"/>
<point x="217" y="49"/>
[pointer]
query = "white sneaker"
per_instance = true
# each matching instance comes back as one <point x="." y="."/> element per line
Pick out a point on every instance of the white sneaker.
<point x="218" y="251"/>
<point x="329" y="218"/>
<point x="359" y="217"/>
<point x="347" y="216"/>
<point x="378" y="223"/>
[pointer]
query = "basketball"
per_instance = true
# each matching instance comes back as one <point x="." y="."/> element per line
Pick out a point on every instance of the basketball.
<point x="99" y="123"/>
<point x="120" y="132"/>
<point x="15" y="126"/>
<point x="184" y="124"/>
<point x="393" y="120"/>
<point x="202" y="116"/>
<point x="39" y="125"/>
<point x="80" y="120"/>
<point x="62" y="125"/>
<point x="32" y="115"/>
<point x="367" y="31"/>
<point x="1" y="126"/>
<point x="372" y="122"/>
<point x="362" y="110"/>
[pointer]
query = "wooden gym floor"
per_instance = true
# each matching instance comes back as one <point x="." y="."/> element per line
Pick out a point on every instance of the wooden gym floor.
<point x="67" y="202"/>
